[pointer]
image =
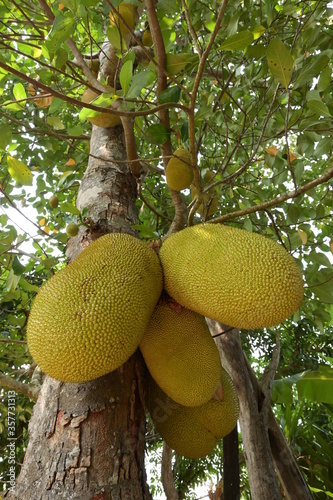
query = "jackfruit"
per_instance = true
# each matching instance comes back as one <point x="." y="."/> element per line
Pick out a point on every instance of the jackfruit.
<point x="180" y="354"/>
<point x="231" y="275"/>
<point x="90" y="317"/>
<point x="179" y="172"/>
<point x="193" y="432"/>
<point x="128" y="13"/>
<point x="105" y="120"/>
<point x="147" y="39"/>
<point x="54" y="201"/>
<point x="72" y="229"/>
<point x="211" y="201"/>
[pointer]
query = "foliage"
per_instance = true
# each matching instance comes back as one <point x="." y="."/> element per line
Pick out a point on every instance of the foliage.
<point x="258" y="114"/>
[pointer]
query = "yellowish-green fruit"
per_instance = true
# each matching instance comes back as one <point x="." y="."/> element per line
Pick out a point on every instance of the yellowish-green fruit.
<point x="128" y="13"/>
<point x="181" y="354"/>
<point x="90" y="317"/>
<point x="105" y="120"/>
<point x="72" y="229"/>
<point x="54" y="201"/>
<point x="193" y="432"/>
<point x="179" y="172"/>
<point x="220" y="416"/>
<point x="211" y="201"/>
<point x="147" y="39"/>
<point x="231" y="275"/>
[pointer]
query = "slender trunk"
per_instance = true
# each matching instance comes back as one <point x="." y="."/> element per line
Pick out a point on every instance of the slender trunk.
<point x="167" y="478"/>
<point x="87" y="440"/>
<point x="268" y="432"/>
<point x="257" y="451"/>
<point x="231" y="480"/>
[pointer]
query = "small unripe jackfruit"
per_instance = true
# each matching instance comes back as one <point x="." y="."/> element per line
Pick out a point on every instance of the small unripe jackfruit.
<point x="193" y="432"/>
<point x="147" y="39"/>
<point x="128" y="13"/>
<point x="180" y="354"/>
<point x="231" y="275"/>
<point x="90" y="317"/>
<point x="72" y="229"/>
<point x="54" y="201"/>
<point x="211" y="202"/>
<point x="179" y="172"/>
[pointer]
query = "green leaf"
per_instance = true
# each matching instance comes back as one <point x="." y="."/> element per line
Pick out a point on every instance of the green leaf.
<point x="238" y="41"/>
<point x="280" y="62"/>
<point x="55" y="122"/>
<point x="19" y="94"/>
<point x="17" y="267"/>
<point x="175" y="63"/>
<point x="19" y="171"/>
<point x="5" y="136"/>
<point x="317" y="385"/>
<point x="125" y="76"/>
<point x="62" y="29"/>
<point x="157" y="133"/>
<point x="171" y="94"/>
<point x="12" y="281"/>
<point x="115" y="37"/>
<point x="324" y="291"/>
<point x="139" y="82"/>
<point x="319" y="108"/>
<point x="68" y="207"/>
<point x="312" y="68"/>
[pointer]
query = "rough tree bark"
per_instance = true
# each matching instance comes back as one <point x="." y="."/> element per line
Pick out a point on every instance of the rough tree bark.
<point x="87" y="440"/>
<point x="265" y="448"/>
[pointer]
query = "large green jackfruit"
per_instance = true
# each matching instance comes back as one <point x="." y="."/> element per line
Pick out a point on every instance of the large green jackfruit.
<point x="181" y="355"/>
<point x="90" y="317"/>
<point x="193" y="432"/>
<point x="179" y="172"/>
<point x="231" y="275"/>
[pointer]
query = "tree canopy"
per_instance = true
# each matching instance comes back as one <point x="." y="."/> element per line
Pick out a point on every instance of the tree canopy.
<point x="246" y="87"/>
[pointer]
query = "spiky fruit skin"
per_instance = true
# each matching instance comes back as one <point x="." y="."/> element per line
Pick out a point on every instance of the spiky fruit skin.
<point x="231" y="275"/>
<point x="72" y="229"/>
<point x="90" y="317"/>
<point x="54" y="201"/>
<point x="179" y="172"/>
<point x="105" y="120"/>
<point x="193" y="432"/>
<point x="181" y="355"/>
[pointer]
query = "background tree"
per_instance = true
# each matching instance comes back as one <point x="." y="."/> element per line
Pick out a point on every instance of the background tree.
<point x="247" y="89"/>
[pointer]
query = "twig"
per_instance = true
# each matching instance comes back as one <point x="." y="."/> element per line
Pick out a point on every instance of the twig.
<point x="276" y="201"/>
<point x="19" y="387"/>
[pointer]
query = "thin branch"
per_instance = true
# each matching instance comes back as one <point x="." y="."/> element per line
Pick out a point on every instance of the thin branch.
<point x="26" y="389"/>
<point x="166" y="149"/>
<point x="268" y="378"/>
<point x="276" y="201"/>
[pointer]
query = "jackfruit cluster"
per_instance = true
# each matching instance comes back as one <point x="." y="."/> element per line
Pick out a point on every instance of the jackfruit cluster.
<point x="180" y="354"/>
<point x="90" y="317"/>
<point x="231" y="275"/>
<point x="193" y="431"/>
<point x="179" y="171"/>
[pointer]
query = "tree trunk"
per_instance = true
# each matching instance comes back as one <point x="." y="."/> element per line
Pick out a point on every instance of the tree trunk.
<point x="87" y="440"/>
<point x="257" y="451"/>
<point x="231" y="480"/>
<point x="262" y="437"/>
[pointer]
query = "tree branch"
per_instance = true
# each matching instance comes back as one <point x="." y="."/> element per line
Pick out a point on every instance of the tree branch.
<point x="276" y="201"/>
<point x="167" y="478"/>
<point x="26" y="389"/>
